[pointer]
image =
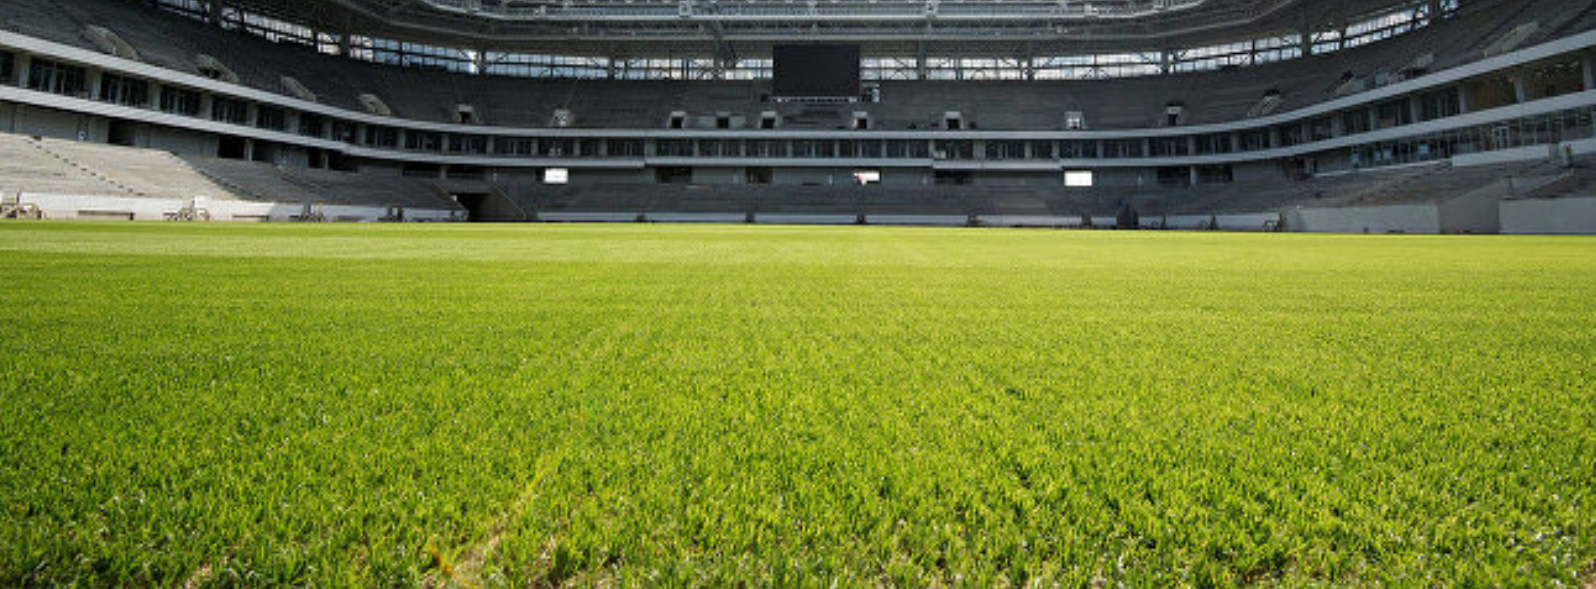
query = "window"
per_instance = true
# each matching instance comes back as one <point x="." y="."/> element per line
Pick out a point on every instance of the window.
<point x="908" y="149"/>
<point x="180" y="101"/>
<point x="1321" y="129"/>
<point x="1213" y="143"/>
<point x="1236" y="53"/>
<point x="1124" y="148"/>
<point x="468" y="144"/>
<point x="1440" y="104"/>
<point x="56" y="78"/>
<point x="124" y="91"/>
<point x="767" y="149"/>
<point x="955" y="150"/>
<point x="1169" y="146"/>
<point x="814" y="149"/>
<point x="711" y="148"/>
<point x="1078" y="150"/>
<point x="8" y="68"/>
<point x="382" y="137"/>
<point x="673" y="148"/>
<point x="1394" y="113"/>
<point x="423" y="141"/>
<point x="1005" y="150"/>
<point x="408" y="54"/>
<point x="1553" y="79"/>
<point x="1354" y="122"/>
<point x="870" y="149"/>
<point x="588" y="147"/>
<point x="345" y="131"/>
<point x="625" y="148"/>
<point x="1043" y="150"/>
<point x="514" y="146"/>
<point x="227" y="110"/>
<point x="1254" y="140"/>
<point x="311" y="125"/>
<point x="1290" y="135"/>
<point x="1079" y="178"/>
<point x="271" y="119"/>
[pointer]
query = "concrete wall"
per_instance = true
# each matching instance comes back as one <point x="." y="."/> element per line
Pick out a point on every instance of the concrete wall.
<point x="1502" y="156"/>
<point x="819" y="176"/>
<point x="58" y="206"/>
<point x="184" y="142"/>
<point x="705" y="175"/>
<point x="594" y="176"/>
<point x="1030" y="220"/>
<point x="1397" y="218"/>
<point x="1020" y="179"/>
<point x="1125" y="177"/>
<point x="58" y="124"/>
<point x="1255" y="171"/>
<point x="905" y="177"/>
<point x="1473" y="213"/>
<point x="1234" y="222"/>
<point x="1567" y="215"/>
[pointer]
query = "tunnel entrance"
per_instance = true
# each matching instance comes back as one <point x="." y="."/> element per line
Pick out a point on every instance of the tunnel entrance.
<point x="489" y="207"/>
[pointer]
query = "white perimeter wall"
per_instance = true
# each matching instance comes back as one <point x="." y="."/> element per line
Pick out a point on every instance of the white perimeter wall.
<point x="1568" y="215"/>
<point x="1233" y="222"/>
<point x="1473" y="213"/>
<point x="1396" y="218"/>
<point x="58" y="206"/>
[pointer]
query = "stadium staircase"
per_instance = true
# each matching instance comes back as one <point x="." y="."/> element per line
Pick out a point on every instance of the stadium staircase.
<point x="31" y="165"/>
<point x="26" y="167"/>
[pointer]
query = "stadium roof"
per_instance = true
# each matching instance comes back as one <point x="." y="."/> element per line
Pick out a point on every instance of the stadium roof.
<point x="884" y="27"/>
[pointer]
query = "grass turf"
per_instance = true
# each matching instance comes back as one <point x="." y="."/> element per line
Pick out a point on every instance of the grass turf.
<point x="486" y="406"/>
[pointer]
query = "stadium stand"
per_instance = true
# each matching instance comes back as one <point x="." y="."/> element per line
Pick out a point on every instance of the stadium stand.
<point x="431" y="95"/>
<point x="336" y="131"/>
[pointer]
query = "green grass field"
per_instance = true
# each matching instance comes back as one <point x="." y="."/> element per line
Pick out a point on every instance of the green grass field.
<point x="642" y="405"/>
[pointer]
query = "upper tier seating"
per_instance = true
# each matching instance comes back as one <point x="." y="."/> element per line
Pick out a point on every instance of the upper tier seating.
<point x="430" y="95"/>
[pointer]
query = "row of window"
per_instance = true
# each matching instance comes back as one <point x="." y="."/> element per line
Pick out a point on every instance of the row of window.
<point x="66" y="79"/>
<point x="1394" y="22"/>
<point x="1567" y="125"/>
<point x="57" y="78"/>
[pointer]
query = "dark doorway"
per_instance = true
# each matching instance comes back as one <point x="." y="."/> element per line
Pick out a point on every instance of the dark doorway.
<point x="265" y="151"/>
<point x="232" y="148"/>
<point x="473" y="204"/>
<point x="673" y="175"/>
<point x="952" y="178"/>
<point x="492" y="207"/>
<point x="124" y="133"/>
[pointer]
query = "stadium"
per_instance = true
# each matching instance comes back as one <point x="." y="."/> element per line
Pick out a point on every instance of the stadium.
<point x="797" y="293"/>
<point x="1418" y="117"/>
